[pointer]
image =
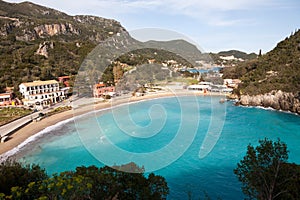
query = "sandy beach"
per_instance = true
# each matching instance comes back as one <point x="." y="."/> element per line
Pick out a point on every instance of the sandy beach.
<point x="33" y="128"/>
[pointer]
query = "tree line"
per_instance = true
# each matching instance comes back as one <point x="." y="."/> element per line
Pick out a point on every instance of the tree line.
<point x="264" y="173"/>
<point x="31" y="182"/>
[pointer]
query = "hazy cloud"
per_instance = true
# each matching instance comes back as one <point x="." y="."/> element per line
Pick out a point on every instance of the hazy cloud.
<point x="211" y="12"/>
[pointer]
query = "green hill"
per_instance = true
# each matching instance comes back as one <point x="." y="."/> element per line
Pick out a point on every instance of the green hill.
<point x="279" y="69"/>
<point x="180" y="47"/>
<point x="238" y="54"/>
<point x="236" y="57"/>
<point x="41" y="43"/>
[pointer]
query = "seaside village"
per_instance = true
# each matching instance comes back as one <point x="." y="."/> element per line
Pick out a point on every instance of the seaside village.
<point x="38" y="95"/>
<point x="43" y="98"/>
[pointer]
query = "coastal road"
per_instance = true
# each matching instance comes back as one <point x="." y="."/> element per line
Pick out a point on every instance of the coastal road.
<point x="11" y="127"/>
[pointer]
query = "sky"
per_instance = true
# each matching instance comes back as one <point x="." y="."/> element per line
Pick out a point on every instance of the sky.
<point x="214" y="25"/>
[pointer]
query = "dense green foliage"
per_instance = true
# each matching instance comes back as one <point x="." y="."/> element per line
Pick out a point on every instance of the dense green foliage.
<point x="20" y="182"/>
<point x="265" y="173"/>
<point x="140" y="59"/>
<point x="67" y="41"/>
<point x="19" y="63"/>
<point x="279" y="69"/>
<point x="39" y="43"/>
<point x="216" y="57"/>
<point x="15" y="174"/>
<point x="141" y="56"/>
<point x="184" y="49"/>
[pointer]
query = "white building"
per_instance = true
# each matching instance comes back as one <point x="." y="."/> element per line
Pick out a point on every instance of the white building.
<point x="5" y="99"/>
<point x="41" y="93"/>
<point x="201" y="87"/>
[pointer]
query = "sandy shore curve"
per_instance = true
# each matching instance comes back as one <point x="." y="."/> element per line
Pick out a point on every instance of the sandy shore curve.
<point x="33" y="128"/>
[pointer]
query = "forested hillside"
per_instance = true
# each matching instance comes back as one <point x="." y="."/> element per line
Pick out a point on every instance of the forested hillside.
<point x="279" y="69"/>
<point x="38" y="43"/>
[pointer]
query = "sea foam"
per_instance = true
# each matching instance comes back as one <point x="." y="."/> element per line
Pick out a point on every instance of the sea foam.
<point x="32" y="138"/>
<point x="48" y="129"/>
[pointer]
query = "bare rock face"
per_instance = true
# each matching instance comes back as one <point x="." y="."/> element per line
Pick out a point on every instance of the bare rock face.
<point x="43" y="48"/>
<point x="276" y="99"/>
<point x="55" y="29"/>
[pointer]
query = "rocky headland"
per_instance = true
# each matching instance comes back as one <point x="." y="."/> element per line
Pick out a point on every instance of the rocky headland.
<point x="272" y="79"/>
<point x="276" y="99"/>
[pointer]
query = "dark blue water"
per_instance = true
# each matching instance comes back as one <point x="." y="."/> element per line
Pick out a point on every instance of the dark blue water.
<point x="166" y="135"/>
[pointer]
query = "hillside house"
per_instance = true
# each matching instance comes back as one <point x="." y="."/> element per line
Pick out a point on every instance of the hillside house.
<point x="64" y="80"/>
<point x="232" y="83"/>
<point x="6" y="99"/>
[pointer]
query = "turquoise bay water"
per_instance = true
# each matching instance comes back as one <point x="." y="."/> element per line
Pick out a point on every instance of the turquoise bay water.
<point x="173" y="120"/>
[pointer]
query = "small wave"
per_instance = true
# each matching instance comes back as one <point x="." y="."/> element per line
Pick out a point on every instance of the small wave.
<point x="33" y="138"/>
<point x="38" y="135"/>
<point x="270" y="109"/>
<point x="48" y="129"/>
<point x="266" y="108"/>
<point x="102" y="139"/>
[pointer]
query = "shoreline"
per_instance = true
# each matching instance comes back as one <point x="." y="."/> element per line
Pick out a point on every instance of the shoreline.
<point x="18" y="139"/>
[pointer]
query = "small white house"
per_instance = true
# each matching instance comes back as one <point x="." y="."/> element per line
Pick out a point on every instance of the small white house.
<point x="201" y="88"/>
<point x="5" y="99"/>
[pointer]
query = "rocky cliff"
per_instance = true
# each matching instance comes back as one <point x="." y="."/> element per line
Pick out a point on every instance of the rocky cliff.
<point x="272" y="79"/>
<point x="29" y="22"/>
<point x="39" y="43"/>
<point x="276" y="99"/>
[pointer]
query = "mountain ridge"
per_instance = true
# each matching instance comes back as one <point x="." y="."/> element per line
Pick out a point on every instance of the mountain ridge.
<point x="40" y="43"/>
<point x="238" y="54"/>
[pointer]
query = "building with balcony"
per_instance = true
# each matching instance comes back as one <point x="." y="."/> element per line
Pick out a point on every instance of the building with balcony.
<point x="41" y="93"/>
<point x="101" y="90"/>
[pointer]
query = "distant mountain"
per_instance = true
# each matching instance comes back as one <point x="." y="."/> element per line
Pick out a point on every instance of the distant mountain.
<point x="39" y="43"/>
<point x="279" y="69"/>
<point x="238" y="54"/>
<point x="231" y="57"/>
<point x="183" y="48"/>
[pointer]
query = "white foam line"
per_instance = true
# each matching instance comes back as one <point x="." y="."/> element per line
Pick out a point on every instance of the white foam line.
<point x="270" y="109"/>
<point x="34" y="137"/>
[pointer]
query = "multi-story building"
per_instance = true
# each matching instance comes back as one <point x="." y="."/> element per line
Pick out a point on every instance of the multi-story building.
<point x="101" y="90"/>
<point x="41" y="93"/>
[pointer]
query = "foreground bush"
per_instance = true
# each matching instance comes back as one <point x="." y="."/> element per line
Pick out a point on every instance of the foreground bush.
<point x="265" y="173"/>
<point x="86" y="183"/>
